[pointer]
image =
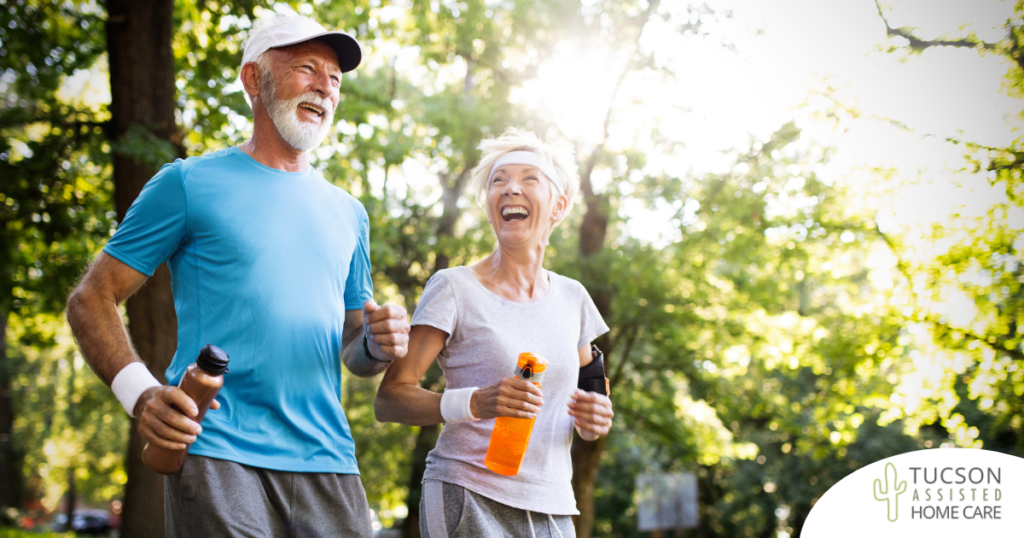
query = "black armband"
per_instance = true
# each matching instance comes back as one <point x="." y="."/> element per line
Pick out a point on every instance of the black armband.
<point x="592" y="377"/>
<point x="366" y="350"/>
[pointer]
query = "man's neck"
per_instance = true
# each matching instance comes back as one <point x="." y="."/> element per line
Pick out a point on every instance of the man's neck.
<point x="268" y="148"/>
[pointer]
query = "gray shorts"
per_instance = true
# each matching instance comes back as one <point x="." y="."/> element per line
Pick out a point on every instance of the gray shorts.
<point x="212" y="497"/>
<point x="451" y="511"/>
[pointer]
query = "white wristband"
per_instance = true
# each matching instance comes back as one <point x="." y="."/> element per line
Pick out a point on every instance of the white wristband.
<point x="455" y="405"/>
<point x="130" y="383"/>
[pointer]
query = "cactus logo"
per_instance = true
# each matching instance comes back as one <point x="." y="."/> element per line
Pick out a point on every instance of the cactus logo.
<point x="890" y="492"/>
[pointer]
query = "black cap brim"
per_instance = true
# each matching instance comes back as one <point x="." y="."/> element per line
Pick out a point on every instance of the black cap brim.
<point x="350" y="54"/>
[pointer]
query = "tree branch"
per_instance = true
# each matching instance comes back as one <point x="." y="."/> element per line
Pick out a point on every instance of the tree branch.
<point x="614" y="379"/>
<point x="999" y="345"/>
<point x="919" y="44"/>
<point x="586" y="187"/>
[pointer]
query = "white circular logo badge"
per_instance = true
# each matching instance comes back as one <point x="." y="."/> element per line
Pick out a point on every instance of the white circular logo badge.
<point x="942" y="492"/>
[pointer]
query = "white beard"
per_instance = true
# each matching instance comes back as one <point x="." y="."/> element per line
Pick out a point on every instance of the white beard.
<point x="301" y="135"/>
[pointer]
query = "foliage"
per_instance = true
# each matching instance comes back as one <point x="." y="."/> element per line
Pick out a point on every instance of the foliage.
<point x="54" y="213"/>
<point x="962" y="282"/>
<point x="67" y="419"/>
<point x="18" y="533"/>
<point x="772" y="341"/>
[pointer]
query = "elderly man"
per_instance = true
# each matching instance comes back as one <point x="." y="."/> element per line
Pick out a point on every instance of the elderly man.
<point x="271" y="263"/>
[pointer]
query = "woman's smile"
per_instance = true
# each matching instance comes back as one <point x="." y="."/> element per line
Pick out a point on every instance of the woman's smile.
<point x="510" y="213"/>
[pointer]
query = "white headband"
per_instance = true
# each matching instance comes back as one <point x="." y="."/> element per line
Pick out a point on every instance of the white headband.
<point x="532" y="159"/>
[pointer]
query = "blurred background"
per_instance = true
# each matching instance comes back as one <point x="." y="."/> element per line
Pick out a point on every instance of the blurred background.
<point x="801" y="219"/>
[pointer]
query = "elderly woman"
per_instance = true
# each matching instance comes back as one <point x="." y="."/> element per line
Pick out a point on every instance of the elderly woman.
<point x="476" y="321"/>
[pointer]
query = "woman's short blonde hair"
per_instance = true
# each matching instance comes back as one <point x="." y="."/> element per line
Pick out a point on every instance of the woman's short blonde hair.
<point x="517" y="139"/>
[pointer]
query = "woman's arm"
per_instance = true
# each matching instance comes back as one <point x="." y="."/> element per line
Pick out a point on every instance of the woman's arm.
<point x="592" y="411"/>
<point x="400" y="398"/>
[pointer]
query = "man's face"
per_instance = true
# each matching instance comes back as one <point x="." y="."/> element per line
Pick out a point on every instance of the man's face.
<point x="301" y="91"/>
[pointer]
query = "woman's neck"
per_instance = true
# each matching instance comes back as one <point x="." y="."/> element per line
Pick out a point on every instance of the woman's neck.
<point x="515" y="275"/>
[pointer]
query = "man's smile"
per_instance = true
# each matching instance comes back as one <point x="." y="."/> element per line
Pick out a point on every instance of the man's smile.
<point x="318" y="111"/>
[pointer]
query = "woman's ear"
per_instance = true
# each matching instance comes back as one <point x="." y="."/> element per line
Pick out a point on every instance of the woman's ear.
<point x="561" y="204"/>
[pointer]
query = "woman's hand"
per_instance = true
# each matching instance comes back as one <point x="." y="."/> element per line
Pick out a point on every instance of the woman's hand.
<point x="510" y="397"/>
<point x="593" y="413"/>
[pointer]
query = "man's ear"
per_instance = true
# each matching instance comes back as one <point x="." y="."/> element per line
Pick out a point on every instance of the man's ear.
<point x="251" y="79"/>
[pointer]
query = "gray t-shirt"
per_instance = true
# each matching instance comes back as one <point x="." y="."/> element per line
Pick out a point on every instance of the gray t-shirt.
<point x="486" y="334"/>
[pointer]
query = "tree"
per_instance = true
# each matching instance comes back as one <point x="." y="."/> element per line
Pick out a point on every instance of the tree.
<point x="49" y="202"/>
<point x="142" y="112"/>
<point x="980" y="264"/>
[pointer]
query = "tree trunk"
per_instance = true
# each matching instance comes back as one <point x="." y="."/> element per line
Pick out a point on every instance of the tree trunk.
<point x="142" y="95"/>
<point x="10" y="477"/>
<point x="154" y="329"/>
<point x="426" y="438"/>
<point x="71" y="497"/>
<point x="586" y="456"/>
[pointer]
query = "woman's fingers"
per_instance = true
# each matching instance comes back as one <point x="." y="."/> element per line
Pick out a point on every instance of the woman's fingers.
<point x="509" y="397"/>
<point x="592" y="411"/>
<point x="518" y="398"/>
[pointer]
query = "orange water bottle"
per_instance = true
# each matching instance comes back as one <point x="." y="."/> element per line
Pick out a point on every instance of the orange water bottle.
<point x="511" y="434"/>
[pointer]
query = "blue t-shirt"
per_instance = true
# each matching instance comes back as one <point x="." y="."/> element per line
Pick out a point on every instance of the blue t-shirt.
<point x="264" y="264"/>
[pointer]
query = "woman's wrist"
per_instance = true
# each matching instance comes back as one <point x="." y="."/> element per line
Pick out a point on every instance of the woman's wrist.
<point x="586" y="434"/>
<point x="456" y="405"/>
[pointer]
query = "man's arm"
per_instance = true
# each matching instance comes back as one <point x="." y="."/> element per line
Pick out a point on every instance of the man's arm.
<point x="104" y="342"/>
<point x="387" y="336"/>
<point x="95" y="319"/>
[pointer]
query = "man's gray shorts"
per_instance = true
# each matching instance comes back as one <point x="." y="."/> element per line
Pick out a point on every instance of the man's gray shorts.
<point x="452" y="511"/>
<point x="212" y="498"/>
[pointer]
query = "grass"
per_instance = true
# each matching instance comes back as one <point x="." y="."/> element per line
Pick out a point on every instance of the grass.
<point x="7" y="532"/>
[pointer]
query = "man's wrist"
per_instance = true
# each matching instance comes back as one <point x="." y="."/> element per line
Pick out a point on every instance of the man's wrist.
<point x="129" y="384"/>
<point x="366" y="350"/>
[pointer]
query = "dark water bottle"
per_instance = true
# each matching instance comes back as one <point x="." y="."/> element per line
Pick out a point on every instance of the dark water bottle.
<point x="202" y="381"/>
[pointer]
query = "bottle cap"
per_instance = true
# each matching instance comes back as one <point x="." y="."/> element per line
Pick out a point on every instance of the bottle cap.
<point x="530" y="367"/>
<point x="213" y="360"/>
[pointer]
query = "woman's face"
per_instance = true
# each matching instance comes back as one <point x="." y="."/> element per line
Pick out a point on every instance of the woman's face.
<point x="522" y="205"/>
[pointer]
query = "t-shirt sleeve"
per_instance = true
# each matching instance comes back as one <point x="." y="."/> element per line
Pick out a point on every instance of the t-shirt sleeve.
<point x="438" y="306"/>
<point x="156" y="225"/>
<point x="359" y="286"/>
<point x="592" y="324"/>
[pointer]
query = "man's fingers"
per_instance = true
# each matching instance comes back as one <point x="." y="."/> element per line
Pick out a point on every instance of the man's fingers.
<point x="395" y="351"/>
<point x="173" y="419"/>
<point x="171" y="432"/>
<point x="388" y="311"/>
<point x="390" y="339"/>
<point x="215" y="405"/>
<point x="155" y="440"/>
<point x="176" y="396"/>
<point x="369" y="306"/>
<point x="389" y="325"/>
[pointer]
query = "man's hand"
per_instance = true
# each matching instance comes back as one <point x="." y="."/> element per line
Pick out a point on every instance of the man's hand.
<point x="387" y="330"/>
<point x="593" y="414"/>
<point x="161" y="420"/>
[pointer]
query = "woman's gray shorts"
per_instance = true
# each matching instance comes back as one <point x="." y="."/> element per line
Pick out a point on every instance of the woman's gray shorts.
<point x="451" y="511"/>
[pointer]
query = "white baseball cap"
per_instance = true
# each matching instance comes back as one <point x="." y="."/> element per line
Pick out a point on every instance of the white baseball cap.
<point x="282" y="31"/>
